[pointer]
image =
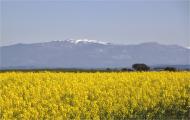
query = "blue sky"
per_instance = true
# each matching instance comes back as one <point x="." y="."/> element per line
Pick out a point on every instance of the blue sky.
<point x="122" y="22"/>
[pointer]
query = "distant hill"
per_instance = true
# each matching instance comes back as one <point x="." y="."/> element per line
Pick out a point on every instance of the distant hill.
<point x="182" y="67"/>
<point x="90" y="54"/>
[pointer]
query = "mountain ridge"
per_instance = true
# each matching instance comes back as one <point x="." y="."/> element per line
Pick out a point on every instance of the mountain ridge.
<point x="84" y="53"/>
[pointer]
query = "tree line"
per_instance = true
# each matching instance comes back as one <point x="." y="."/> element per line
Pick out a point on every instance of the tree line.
<point x="144" y="67"/>
<point x="135" y="67"/>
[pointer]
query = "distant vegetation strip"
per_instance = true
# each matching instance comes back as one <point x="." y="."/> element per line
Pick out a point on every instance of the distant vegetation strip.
<point x="135" y="67"/>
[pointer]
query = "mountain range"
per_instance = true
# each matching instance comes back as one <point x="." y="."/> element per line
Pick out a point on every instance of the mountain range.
<point x="90" y="54"/>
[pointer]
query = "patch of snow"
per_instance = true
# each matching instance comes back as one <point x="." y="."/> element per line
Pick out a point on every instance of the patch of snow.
<point x="85" y="41"/>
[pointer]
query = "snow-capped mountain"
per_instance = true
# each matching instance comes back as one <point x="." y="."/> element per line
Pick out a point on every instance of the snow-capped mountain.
<point x="84" y="53"/>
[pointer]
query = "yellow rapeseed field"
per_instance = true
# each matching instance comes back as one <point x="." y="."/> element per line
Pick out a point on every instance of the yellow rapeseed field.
<point x="100" y="95"/>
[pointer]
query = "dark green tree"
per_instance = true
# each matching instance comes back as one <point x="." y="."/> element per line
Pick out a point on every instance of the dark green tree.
<point x="170" y="69"/>
<point x="140" y="67"/>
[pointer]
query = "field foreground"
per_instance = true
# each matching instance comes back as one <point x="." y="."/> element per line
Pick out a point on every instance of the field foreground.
<point x="121" y="95"/>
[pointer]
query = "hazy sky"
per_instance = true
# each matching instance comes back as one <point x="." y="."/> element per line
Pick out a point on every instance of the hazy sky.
<point x="123" y="22"/>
